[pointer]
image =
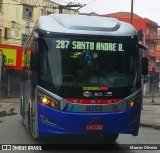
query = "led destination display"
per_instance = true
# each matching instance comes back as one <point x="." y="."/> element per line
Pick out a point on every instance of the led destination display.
<point x="85" y="45"/>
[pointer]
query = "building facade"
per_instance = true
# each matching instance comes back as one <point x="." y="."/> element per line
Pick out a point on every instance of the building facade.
<point x="18" y="17"/>
<point x="150" y="39"/>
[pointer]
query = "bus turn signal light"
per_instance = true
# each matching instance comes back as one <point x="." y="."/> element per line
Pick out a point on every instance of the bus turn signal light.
<point x="131" y="104"/>
<point x="52" y="103"/>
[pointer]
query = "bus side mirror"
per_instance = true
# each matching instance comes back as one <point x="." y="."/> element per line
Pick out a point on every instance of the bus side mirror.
<point x="34" y="61"/>
<point x="144" y="66"/>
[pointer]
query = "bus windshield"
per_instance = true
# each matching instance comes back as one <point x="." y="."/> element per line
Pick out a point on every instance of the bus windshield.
<point x="79" y="63"/>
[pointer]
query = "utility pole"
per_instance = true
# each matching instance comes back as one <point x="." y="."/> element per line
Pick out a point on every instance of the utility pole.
<point x="69" y="5"/>
<point x="131" y="11"/>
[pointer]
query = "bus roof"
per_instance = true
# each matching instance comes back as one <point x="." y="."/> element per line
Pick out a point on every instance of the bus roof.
<point x="83" y="24"/>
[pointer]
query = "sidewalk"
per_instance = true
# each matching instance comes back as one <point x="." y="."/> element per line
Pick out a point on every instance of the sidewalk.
<point x="150" y="114"/>
<point x="6" y="106"/>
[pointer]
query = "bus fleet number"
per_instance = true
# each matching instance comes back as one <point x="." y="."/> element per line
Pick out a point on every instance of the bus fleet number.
<point x="94" y="109"/>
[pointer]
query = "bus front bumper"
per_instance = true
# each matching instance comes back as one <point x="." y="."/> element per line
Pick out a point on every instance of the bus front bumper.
<point x="52" y="122"/>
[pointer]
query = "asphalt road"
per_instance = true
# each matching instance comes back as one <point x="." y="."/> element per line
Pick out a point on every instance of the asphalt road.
<point x="12" y="131"/>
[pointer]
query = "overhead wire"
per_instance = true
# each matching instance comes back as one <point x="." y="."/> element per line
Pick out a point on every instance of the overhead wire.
<point x="21" y="25"/>
<point x="85" y="5"/>
<point x="91" y="10"/>
<point x="31" y="5"/>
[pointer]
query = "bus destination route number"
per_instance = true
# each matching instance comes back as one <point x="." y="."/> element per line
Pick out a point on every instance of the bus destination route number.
<point x="91" y="46"/>
<point x="94" y="108"/>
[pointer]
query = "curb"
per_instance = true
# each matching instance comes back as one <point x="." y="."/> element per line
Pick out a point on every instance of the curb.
<point x="9" y="100"/>
<point x="154" y="126"/>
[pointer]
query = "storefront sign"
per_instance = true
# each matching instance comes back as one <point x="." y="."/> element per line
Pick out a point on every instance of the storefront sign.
<point x="10" y="56"/>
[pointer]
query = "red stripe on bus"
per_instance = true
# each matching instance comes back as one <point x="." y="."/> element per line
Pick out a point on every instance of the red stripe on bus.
<point x="93" y="101"/>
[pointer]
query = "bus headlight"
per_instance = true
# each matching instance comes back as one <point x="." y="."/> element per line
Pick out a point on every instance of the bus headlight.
<point x="44" y="100"/>
<point x="48" y="101"/>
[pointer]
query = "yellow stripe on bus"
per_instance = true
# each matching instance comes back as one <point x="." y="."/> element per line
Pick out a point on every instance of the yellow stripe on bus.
<point x="91" y="88"/>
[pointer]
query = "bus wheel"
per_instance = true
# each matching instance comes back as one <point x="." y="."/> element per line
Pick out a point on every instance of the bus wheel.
<point x="110" y="137"/>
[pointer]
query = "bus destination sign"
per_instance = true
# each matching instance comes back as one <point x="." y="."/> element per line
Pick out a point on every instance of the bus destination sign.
<point x="86" y="45"/>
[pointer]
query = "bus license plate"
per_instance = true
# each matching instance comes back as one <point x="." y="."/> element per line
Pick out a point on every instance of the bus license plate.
<point x="94" y="127"/>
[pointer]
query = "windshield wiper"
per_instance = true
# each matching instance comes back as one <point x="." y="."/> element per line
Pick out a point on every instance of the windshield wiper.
<point x="105" y="77"/>
<point x="77" y="81"/>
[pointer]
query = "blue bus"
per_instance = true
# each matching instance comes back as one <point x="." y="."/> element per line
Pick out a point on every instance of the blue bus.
<point x="82" y="76"/>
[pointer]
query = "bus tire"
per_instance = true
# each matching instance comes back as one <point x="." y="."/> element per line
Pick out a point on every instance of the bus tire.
<point x="110" y="137"/>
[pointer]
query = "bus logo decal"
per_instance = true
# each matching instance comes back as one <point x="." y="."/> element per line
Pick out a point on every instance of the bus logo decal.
<point x="87" y="94"/>
<point x="88" y="55"/>
<point x="71" y="108"/>
<point x="77" y="109"/>
<point x="98" y="94"/>
<point x="94" y="120"/>
<point x="65" y="107"/>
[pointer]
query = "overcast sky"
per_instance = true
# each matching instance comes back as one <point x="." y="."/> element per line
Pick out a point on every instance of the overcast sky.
<point x="145" y="8"/>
